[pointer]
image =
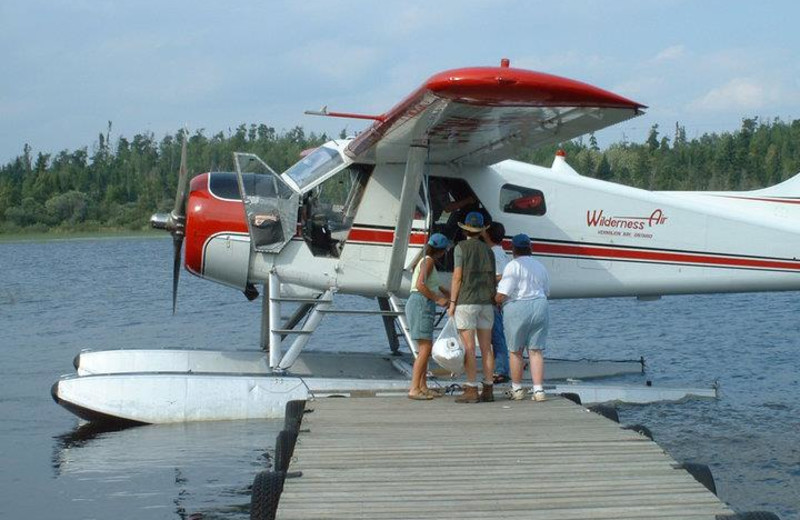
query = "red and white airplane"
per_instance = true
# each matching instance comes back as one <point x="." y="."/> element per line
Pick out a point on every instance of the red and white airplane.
<point x="352" y="216"/>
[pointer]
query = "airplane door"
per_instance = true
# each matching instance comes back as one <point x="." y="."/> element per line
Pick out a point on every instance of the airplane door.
<point x="270" y="204"/>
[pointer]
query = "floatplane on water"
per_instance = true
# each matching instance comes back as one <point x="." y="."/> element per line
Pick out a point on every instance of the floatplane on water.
<point x="353" y="215"/>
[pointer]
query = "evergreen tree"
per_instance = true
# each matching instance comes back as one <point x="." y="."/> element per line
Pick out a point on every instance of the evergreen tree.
<point x="121" y="183"/>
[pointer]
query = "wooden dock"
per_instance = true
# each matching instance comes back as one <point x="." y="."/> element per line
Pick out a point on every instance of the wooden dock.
<point x="391" y="457"/>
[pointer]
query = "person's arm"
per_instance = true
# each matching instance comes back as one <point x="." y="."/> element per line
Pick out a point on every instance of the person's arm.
<point x="505" y="285"/>
<point x="455" y="287"/>
<point x="424" y="272"/>
<point x="458" y="204"/>
<point x="455" y="282"/>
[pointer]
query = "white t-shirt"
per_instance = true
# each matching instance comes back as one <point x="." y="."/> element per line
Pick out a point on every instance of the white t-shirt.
<point x="500" y="259"/>
<point x="524" y="278"/>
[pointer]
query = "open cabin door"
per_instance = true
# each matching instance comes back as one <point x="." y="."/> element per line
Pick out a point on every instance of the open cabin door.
<point x="270" y="204"/>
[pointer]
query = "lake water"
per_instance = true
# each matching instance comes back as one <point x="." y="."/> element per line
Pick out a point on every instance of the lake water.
<point x="59" y="297"/>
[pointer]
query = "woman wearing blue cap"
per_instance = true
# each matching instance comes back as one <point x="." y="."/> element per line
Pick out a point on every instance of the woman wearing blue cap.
<point x="523" y="291"/>
<point x="421" y="312"/>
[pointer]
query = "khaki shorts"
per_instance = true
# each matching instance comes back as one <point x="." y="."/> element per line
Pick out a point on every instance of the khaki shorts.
<point x="474" y="316"/>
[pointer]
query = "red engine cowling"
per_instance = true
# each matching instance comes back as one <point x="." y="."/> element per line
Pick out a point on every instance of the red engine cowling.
<point x="217" y="243"/>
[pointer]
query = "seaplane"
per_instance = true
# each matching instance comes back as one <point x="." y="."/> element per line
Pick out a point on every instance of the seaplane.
<point x="353" y="215"/>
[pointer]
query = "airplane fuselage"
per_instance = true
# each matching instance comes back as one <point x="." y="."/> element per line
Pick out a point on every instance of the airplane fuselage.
<point x="596" y="238"/>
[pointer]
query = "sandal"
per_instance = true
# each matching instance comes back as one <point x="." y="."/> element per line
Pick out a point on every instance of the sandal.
<point x="499" y="379"/>
<point x="420" y="397"/>
<point x="433" y="392"/>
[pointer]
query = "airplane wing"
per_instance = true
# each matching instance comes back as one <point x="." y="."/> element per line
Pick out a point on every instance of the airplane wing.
<point x="483" y="115"/>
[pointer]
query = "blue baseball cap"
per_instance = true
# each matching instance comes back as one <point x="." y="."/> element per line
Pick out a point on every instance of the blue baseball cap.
<point x="438" y="241"/>
<point x="473" y="222"/>
<point x="521" y="241"/>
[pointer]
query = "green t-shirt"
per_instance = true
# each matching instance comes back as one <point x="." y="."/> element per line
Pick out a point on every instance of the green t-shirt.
<point x="476" y="261"/>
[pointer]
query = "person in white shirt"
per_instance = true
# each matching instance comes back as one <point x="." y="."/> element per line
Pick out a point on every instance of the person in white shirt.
<point x="523" y="291"/>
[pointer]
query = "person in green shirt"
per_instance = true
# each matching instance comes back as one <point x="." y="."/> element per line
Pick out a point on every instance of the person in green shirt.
<point x="472" y="293"/>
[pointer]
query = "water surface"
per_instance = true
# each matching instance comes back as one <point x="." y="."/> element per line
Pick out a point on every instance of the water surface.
<point x="59" y="297"/>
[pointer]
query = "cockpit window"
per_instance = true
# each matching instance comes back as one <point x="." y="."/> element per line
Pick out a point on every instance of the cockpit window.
<point x="314" y="166"/>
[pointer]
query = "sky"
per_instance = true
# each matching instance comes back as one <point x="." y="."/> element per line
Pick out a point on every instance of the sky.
<point x="71" y="66"/>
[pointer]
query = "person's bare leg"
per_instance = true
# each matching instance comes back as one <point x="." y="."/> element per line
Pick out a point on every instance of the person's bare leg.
<point x="537" y="366"/>
<point x="470" y="363"/>
<point x="487" y="354"/>
<point x="420" y="366"/>
<point x="517" y="366"/>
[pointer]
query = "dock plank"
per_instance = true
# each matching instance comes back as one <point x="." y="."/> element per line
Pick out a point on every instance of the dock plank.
<point x="394" y="458"/>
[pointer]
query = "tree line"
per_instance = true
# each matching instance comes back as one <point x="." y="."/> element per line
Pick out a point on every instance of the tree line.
<point x="119" y="185"/>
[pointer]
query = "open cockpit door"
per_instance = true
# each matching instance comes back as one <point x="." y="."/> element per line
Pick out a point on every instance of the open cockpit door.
<point x="270" y="204"/>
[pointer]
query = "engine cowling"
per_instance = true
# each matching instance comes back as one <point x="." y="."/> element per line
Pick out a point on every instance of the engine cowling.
<point x="217" y="243"/>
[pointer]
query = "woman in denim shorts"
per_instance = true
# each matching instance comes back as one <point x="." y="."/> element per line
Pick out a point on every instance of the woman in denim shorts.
<point x="523" y="291"/>
<point x="426" y="292"/>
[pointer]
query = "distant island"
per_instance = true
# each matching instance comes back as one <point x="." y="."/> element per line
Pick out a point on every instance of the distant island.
<point x="117" y="186"/>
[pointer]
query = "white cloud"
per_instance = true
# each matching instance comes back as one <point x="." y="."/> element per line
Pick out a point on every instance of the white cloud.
<point x="671" y="53"/>
<point x="738" y="94"/>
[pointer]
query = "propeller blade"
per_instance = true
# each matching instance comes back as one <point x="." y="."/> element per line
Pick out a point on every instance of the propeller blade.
<point x="175" y="222"/>
<point x="183" y="179"/>
<point x="177" y="243"/>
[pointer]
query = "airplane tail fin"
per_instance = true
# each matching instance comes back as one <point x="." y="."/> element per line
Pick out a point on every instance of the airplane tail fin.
<point x="788" y="188"/>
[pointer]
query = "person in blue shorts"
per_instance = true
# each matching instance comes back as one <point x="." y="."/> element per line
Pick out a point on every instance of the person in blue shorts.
<point x="426" y="292"/>
<point x="523" y="291"/>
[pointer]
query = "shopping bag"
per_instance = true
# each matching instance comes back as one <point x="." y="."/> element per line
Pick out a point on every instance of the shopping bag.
<point x="448" y="351"/>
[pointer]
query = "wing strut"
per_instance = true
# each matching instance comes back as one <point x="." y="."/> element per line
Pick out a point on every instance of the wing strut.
<point x="415" y="165"/>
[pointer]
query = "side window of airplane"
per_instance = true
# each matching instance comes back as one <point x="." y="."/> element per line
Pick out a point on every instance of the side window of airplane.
<point x="526" y="201"/>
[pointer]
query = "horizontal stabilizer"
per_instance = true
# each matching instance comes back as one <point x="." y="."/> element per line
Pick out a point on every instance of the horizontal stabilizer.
<point x="788" y="188"/>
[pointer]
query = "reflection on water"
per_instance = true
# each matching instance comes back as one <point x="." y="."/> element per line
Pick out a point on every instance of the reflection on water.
<point x="195" y="470"/>
<point x="81" y="435"/>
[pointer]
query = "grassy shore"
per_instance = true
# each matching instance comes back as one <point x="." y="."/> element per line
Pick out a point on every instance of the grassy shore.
<point x="80" y="235"/>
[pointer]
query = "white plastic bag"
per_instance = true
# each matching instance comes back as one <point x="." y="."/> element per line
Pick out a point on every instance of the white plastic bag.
<point x="448" y="351"/>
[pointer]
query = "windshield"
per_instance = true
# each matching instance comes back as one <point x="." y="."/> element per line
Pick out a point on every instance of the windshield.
<point x="314" y="166"/>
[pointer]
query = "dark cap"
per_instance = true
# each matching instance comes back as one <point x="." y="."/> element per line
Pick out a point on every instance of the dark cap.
<point x="521" y="241"/>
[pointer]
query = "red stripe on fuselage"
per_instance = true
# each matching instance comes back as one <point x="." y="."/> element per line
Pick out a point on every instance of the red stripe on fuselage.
<point x="382" y="236"/>
<point x="667" y="257"/>
<point x="765" y="199"/>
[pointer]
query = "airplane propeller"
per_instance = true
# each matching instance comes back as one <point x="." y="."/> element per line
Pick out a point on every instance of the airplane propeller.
<point x="175" y="222"/>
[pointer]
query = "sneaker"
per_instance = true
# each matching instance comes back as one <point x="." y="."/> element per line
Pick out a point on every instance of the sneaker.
<point x="516" y="395"/>
<point x="539" y="395"/>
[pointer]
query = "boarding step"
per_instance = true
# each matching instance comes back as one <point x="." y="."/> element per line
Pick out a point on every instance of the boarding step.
<point x="361" y="311"/>
<point x="299" y="300"/>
